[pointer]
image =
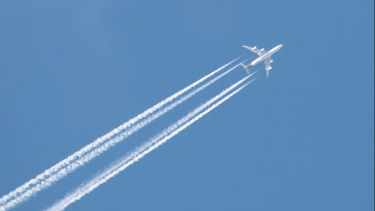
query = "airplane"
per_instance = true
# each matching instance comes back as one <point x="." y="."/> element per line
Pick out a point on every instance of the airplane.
<point x="263" y="56"/>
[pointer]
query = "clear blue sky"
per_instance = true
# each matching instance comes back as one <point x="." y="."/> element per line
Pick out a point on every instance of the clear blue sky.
<point x="302" y="140"/>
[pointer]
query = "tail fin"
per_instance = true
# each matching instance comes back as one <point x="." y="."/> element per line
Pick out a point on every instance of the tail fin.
<point x="246" y="67"/>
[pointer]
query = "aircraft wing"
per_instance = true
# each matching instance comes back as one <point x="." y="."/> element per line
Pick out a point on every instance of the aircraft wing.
<point x="268" y="62"/>
<point x="254" y="49"/>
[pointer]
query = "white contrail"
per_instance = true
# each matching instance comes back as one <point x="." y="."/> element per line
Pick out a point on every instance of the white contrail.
<point x="154" y="143"/>
<point x="105" y="146"/>
<point x="81" y="157"/>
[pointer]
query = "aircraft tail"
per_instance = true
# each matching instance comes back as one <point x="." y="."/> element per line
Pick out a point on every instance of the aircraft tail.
<point x="246" y="67"/>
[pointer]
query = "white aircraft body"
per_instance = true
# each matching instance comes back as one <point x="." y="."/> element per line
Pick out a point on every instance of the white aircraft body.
<point x="263" y="56"/>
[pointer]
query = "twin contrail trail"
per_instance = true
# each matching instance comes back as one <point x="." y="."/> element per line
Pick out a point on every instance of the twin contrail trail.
<point x="105" y="146"/>
<point x="151" y="145"/>
<point x="87" y="153"/>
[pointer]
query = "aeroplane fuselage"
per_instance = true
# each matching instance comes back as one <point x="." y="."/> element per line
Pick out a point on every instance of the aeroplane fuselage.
<point x="266" y="55"/>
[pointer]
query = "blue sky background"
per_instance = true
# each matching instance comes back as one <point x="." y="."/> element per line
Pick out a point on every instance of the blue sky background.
<point x="302" y="140"/>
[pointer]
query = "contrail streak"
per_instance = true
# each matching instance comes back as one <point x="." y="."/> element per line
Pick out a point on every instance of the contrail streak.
<point x="84" y="155"/>
<point x="105" y="146"/>
<point x="149" y="146"/>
